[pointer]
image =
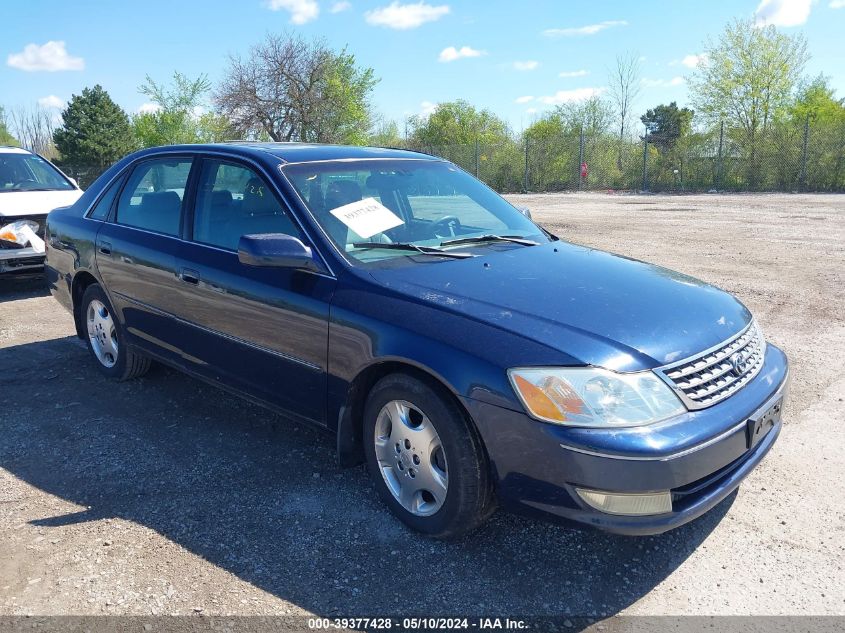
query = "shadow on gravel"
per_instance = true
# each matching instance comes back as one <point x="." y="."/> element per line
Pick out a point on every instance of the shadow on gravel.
<point x="263" y="499"/>
<point x="13" y="288"/>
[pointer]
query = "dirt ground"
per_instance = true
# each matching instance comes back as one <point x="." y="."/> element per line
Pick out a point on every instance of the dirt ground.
<point x="166" y="496"/>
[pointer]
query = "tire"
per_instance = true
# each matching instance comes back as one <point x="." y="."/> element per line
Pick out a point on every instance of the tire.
<point x="437" y="506"/>
<point x="106" y="340"/>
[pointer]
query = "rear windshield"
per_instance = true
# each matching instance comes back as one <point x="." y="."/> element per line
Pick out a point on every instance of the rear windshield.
<point x="28" y="172"/>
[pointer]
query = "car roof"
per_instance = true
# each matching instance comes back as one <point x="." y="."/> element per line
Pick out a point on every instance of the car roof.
<point x="10" y="149"/>
<point x="301" y="152"/>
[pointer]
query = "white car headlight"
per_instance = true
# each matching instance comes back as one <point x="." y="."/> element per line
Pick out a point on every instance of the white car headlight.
<point x="593" y="397"/>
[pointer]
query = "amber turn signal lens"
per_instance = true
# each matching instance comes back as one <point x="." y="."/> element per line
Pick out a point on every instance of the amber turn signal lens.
<point x="537" y="401"/>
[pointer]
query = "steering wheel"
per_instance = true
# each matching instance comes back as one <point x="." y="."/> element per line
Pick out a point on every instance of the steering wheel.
<point x="448" y="224"/>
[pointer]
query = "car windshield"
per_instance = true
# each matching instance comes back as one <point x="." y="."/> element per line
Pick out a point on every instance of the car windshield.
<point x="379" y="209"/>
<point x="28" y="172"/>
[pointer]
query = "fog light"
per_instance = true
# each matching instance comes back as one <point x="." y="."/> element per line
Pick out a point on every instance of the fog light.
<point x="630" y="504"/>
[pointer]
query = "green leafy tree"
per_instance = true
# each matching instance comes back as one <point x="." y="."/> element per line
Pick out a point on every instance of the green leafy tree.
<point x="666" y="124"/>
<point x="291" y="89"/>
<point x="6" y="137"/>
<point x="457" y="123"/>
<point x="748" y="79"/>
<point x="179" y="116"/>
<point x="95" y="131"/>
<point x="347" y="111"/>
<point x="817" y="108"/>
<point x="816" y="101"/>
<point x="554" y="144"/>
<point x="386" y="134"/>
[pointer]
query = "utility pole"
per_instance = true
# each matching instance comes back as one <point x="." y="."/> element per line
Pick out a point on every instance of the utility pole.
<point x="645" y="160"/>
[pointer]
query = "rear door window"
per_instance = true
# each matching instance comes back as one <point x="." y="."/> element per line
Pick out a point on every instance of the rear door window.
<point x="152" y="198"/>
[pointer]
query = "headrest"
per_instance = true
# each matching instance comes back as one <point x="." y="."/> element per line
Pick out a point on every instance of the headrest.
<point x="258" y="199"/>
<point x="221" y="198"/>
<point x="341" y="192"/>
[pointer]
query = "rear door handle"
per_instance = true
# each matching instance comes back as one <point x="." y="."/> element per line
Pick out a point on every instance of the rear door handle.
<point x="105" y="248"/>
<point x="189" y="276"/>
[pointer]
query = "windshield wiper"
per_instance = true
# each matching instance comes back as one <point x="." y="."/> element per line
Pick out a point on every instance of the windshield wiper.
<point x="407" y="246"/>
<point x="516" y="239"/>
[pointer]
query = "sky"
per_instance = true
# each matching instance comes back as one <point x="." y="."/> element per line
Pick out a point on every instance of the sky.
<point x="518" y="59"/>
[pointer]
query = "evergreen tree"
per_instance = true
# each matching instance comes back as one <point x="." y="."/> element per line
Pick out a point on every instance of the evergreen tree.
<point x="95" y="131"/>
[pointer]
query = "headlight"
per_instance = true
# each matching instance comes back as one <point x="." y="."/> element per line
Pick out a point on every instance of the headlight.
<point x="14" y="232"/>
<point x="588" y="396"/>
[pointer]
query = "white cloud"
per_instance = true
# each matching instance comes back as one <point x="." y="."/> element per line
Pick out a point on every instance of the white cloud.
<point x="531" y="111"/>
<point x="49" y="57"/>
<point x="450" y="53"/>
<point x="837" y="4"/>
<point x="524" y="99"/>
<point x="301" y="11"/>
<point x="149" y="108"/>
<point x="590" y="29"/>
<point x="573" y="73"/>
<point x="526" y="65"/>
<point x="783" y="12"/>
<point x="51" y="101"/>
<point x="337" y="7"/>
<point x="568" y="96"/>
<point x="663" y="83"/>
<point x="427" y="108"/>
<point x="691" y="61"/>
<point x="405" y="16"/>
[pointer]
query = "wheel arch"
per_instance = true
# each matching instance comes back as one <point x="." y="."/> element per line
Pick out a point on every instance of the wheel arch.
<point x="82" y="280"/>
<point x="350" y="425"/>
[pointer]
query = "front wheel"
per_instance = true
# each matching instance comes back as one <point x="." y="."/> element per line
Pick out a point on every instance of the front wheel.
<point x="105" y="340"/>
<point x="424" y="458"/>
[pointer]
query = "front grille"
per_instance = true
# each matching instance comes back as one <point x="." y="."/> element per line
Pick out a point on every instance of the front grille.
<point x="711" y="377"/>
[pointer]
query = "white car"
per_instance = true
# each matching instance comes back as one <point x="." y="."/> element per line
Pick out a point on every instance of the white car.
<point x="30" y="187"/>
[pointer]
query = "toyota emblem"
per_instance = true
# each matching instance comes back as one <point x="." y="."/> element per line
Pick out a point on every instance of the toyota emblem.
<point x="739" y="363"/>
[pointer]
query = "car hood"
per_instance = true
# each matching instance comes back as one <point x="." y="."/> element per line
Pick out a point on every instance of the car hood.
<point x="596" y="307"/>
<point x="17" y="203"/>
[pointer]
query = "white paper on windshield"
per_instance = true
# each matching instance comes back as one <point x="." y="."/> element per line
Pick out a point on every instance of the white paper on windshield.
<point x="367" y="217"/>
<point x="34" y="241"/>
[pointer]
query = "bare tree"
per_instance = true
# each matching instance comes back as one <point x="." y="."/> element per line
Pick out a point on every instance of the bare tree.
<point x="33" y="127"/>
<point x="290" y="89"/>
<point x="624" y="87"/>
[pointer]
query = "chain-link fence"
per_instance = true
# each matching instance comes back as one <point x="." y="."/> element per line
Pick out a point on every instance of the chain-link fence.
<point x="788" y="157"/>
<point x="799" y="157"/>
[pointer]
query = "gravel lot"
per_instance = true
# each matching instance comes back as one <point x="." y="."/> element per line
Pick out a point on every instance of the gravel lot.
<point x="164" y="495"/>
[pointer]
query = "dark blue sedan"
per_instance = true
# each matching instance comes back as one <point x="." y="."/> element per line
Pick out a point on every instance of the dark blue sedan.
<point x="467" y="355"/>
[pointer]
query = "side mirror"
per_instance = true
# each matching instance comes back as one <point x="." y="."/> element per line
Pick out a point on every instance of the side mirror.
<point x="525" y="211"/>
<point x="277" y="250"/>
<point x="73" y="181"/>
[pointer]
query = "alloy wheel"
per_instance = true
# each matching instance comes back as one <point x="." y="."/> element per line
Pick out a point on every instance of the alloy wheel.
<point x="101" y="333"/>
<point x="411" y="458"/>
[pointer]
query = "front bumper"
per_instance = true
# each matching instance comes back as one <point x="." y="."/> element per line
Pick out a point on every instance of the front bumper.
<point x="21" y="260"/>
<point x="701" y="457"/>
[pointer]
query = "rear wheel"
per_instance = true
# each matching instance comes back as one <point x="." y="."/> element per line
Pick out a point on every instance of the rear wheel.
<point x="425" y="460"/>
<point x="105" y="339"/>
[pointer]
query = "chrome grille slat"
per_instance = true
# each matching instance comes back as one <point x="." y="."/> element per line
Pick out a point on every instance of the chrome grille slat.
<point x="710" y="377"/>
<point x="712" y="359"/>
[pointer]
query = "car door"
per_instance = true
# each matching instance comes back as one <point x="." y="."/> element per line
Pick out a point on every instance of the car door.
<point x="263" y="331"/>
<point x="136" y="252"/>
